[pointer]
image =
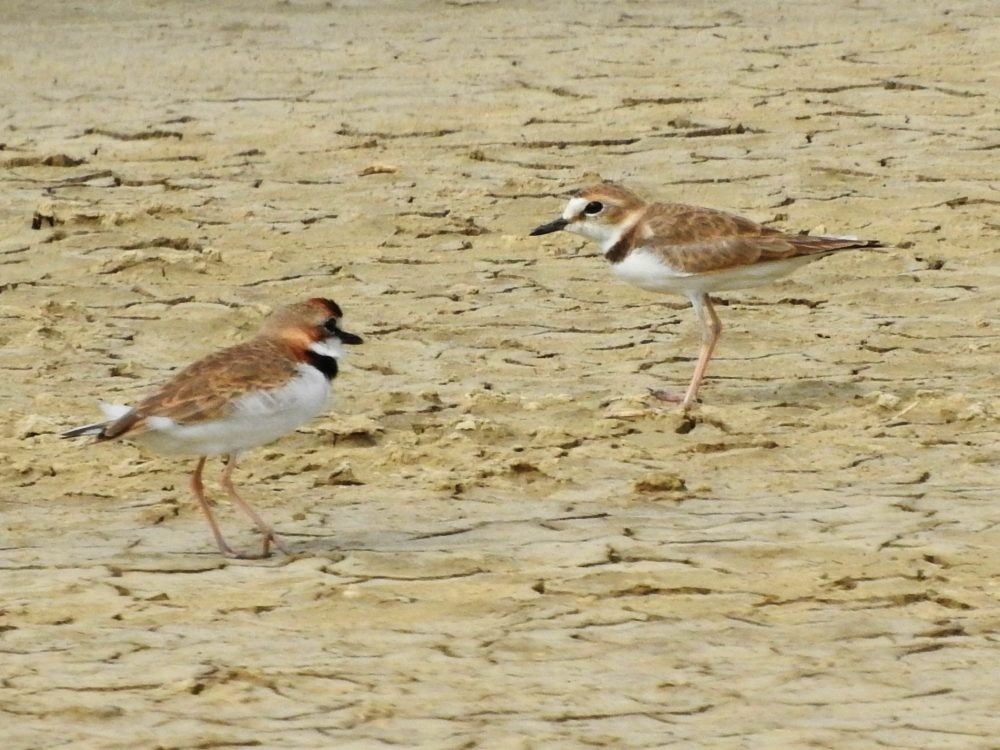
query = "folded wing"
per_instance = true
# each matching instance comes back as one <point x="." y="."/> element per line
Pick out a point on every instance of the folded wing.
<point x="697" y="240"/>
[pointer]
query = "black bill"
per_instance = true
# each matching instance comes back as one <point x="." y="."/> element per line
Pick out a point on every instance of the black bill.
<point x="552" y="226"/>
<point x="347" y="338"/>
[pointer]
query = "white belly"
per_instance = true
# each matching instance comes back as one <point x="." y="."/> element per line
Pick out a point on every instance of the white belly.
<point x="646" y="271"/>
<point x="255" y="419"/>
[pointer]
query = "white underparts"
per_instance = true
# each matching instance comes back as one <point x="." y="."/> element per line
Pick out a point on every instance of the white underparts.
<point x="646" y="270"/>
<point x="253" y="419"/>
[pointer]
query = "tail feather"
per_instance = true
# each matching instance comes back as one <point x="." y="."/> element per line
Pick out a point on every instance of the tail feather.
<point x="821" y="245"/>
<point x="112" y="413"/>
<point x="847" y="242"/>
<point x="88" y="429"/>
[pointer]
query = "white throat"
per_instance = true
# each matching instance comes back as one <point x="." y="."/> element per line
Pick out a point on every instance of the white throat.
<point x="329" y="347"/>
<point x="606" y="235"/>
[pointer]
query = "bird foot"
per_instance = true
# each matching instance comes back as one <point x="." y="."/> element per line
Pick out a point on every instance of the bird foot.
<point x="235" y="555"/>
<point x="265" y="552"/>
<point x="278" y="542"/>
<point x="673" y="398"/>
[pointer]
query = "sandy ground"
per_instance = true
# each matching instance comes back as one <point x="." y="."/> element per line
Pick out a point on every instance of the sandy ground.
<point x="497" y="543"/>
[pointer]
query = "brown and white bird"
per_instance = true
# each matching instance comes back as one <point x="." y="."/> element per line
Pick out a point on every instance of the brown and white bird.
<point x="238" y="398"/>
<point x="671" y="247"/>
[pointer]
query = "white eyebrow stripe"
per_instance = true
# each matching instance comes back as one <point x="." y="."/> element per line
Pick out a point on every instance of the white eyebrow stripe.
<point x="574" y="208"/>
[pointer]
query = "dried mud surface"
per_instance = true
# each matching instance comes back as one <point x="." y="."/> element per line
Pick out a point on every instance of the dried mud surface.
<point x="497" y="542"/>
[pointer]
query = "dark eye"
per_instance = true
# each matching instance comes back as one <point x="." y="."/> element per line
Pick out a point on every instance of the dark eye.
<point x="331" y="325"/>
<point x="593" y="208"/>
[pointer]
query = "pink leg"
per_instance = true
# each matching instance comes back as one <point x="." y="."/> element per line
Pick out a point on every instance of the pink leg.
<point x="262" y="525"/>
<point x="711" y="330"/>
<point x="199" y="492"/>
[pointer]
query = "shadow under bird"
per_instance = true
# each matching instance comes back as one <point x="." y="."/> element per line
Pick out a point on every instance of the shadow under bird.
<point x="672" y="247"/>
<point x="238" y="398"/>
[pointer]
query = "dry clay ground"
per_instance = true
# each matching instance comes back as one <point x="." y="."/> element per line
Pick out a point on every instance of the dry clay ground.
<point x="497" y="542"/>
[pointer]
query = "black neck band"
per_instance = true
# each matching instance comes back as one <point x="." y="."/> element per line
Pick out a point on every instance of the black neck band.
<point x="324" y="363"/>
<point x="617" y="252"/>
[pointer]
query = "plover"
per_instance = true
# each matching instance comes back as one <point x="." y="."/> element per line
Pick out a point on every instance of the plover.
<point x="238" y="398"/>
<point x="671" y="247"/>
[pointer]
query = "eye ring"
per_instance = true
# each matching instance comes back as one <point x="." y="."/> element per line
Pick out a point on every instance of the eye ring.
<point x="331" y="325"/>
<point x="593" y="208"/>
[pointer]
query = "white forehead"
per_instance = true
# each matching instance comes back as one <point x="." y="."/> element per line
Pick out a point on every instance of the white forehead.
<point x="574" y="208"/>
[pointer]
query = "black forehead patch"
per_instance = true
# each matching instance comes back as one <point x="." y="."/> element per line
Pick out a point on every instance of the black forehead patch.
<point x="331" y="307"/>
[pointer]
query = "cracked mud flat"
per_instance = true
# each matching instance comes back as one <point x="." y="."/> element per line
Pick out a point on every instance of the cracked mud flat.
<point x="496" y="543"/>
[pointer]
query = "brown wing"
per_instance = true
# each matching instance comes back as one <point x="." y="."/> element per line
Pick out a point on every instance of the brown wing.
<point x="678" y="224"/>
<point x="205" y="390"/>
<point x="700" y="240"/>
